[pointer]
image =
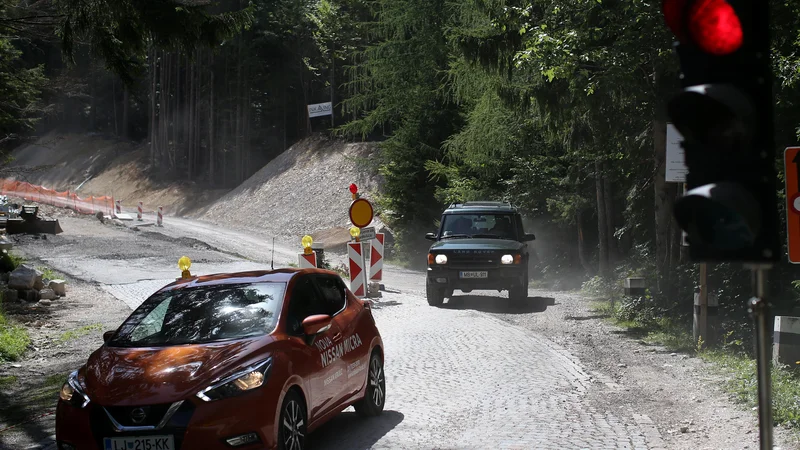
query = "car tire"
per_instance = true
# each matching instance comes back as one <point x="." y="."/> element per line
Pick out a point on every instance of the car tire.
<point x="519" y="292"/>
<point x="293" y="423"/>
<point x="434" y="294"/>
<point x="375" y="396"/>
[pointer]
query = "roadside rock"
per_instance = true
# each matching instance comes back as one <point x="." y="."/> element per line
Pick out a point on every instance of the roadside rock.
<point x="59" y="287"/>
<point x="24" y="277"/>
<point x="10" y="296"/>
<point x="45" y="302"/>
<point x="47" y="294"/>
<point x="30" y="295"/>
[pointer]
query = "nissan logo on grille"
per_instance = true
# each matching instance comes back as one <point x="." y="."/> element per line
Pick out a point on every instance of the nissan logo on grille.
<point x="138" y="415"/>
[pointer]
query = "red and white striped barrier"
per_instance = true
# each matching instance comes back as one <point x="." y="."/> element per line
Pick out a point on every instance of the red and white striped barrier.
<point x="160" y="219"/>
<point x="119" y="206"/>
<point x="307" y="261"/>
<point x="357" y="272"/>
<point x="140" y="212"/>
<point x="376" y="258"/>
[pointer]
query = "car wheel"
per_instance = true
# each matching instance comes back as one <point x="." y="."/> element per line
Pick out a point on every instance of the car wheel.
<point x="434" y="294"/>
<point x="375" y="397"/>
<point x="293" y="423"/>
<point x="519" y="292"/>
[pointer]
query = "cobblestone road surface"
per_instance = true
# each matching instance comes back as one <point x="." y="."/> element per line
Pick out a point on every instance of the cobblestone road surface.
<point x="457" y="377"/>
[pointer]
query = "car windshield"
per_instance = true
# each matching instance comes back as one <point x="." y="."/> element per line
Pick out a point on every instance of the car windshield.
<point x="202" y="315"/>
<point x="493" y="226"/>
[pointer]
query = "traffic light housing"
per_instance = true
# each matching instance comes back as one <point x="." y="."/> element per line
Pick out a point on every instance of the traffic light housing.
<point x="725" y="114"/>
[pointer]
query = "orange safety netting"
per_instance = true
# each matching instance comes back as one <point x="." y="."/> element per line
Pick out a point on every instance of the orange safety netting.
<point x="40" y="194"/>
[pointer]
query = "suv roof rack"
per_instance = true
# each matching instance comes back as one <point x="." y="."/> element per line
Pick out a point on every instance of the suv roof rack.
<point x="481" y="204"/>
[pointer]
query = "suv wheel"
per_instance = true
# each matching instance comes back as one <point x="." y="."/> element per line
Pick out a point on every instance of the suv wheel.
<point x="519" y="292"/>
<point x="434" y="293"/>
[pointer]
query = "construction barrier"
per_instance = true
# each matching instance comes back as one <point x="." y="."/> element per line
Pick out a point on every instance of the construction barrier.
<point x="40" y="194"/>
<point x="160" y="219"/>
<point x="376" y="258"/>
<point x="357" y="278"/>
<point x="119" y="206"/>
<point x="140" y="211"/>
<point x="307" y="261"/>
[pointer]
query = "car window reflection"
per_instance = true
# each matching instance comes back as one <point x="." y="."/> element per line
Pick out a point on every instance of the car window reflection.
<point x="203" y="315"/>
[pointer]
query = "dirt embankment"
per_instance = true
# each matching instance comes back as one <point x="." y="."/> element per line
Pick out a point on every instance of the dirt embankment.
<point x="302" y="191"/>
<point x="90" y="164"/>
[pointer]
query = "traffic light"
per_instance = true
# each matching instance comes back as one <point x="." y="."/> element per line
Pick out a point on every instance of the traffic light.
<point x="725" y="114"/>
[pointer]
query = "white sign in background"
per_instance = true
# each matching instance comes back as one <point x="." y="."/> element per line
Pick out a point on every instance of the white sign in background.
<point x="676" y="165"/>
<point x="320" y="109"/>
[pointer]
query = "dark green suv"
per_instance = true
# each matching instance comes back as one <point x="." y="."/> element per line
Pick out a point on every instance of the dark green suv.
<point x="479" y="246"/>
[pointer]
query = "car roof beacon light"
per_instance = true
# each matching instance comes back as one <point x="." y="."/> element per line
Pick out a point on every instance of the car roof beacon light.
<point x="184" y="264"/>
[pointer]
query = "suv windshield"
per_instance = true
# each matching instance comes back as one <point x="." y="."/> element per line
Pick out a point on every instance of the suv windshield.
<point x="498" y="226"/>
<point x="202" y="315"/>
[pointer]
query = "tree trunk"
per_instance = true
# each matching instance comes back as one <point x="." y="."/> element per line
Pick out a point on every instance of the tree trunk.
<point x="609" y="205"/>
<point x="602" y="226"/>
<point x="125" y="103"/>
<point x="238" y="137"/>
<point x="196" y="124"/>
<point x="663" y="204"/>
<point x="190" y="123"/>
<point x="153" y="131"/>
<point x="581" y="245"/>
<point x="211" y="119"/>
<point x="333" y="84"/>
<point x="93" y="113"/>
<point x="114" y="102"/>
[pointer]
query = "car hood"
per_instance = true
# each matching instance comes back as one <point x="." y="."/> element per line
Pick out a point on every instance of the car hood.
<point x="477" y="244"/>
<point x="145" y="376"/>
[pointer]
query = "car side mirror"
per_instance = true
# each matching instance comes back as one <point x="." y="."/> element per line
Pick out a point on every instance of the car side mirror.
<point x="317" y="324"/>
<point x="530" y="237"/>
<point x="430" y="236"/>
<point x="107" y="335"/>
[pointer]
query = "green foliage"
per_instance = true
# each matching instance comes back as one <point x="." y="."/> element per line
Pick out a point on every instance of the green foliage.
<point x="14" y="339"/>
<point x="71" y="335"/>
<point x="121" y="31"/>
<point x="20" y="83"/>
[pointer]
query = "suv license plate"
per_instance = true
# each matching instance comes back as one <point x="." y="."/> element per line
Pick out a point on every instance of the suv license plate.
<point x="483" y="274"/>
<point x="139" y="443"/>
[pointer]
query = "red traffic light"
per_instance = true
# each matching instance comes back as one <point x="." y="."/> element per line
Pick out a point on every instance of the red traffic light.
<point x="353" y="188"/>
<point x="711" y="25"/>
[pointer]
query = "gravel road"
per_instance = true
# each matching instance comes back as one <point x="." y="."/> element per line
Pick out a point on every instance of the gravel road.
<point x="473" y="374"/>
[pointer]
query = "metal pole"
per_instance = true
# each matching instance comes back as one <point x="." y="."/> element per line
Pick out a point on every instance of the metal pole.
<point x="759" y="310"/>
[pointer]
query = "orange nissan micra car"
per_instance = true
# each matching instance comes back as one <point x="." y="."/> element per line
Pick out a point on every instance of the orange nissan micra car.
<point x="244" y="360"/>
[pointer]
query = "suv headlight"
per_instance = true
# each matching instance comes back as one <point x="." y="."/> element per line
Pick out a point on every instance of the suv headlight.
<point x="73" y="393"/>
<point x="507" y="259"/>
<point x="441" y="259"/>
<point x="238" y="383"/>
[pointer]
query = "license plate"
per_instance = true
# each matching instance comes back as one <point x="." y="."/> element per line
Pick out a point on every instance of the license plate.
<point x="140" y="443"/>
<point x="483" y="274"/>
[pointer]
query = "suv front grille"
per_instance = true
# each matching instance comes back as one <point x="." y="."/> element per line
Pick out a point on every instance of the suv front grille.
<point x="473" y="260"/>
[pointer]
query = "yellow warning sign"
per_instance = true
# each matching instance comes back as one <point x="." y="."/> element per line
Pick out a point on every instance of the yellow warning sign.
<point x="361" y="212"/>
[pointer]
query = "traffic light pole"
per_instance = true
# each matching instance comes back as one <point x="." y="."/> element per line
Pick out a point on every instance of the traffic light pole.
<point x="759" y="309"/>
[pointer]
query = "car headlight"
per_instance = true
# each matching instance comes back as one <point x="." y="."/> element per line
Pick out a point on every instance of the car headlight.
<point x="507" y="259"/>
<point x="441" y="259"/>
<point x="238" y="383"/>
<point x="72" y="392"/>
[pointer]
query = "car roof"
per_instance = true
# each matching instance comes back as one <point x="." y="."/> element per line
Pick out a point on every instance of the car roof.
<point x="258" y="276"/>
<point x="482" y="206"/>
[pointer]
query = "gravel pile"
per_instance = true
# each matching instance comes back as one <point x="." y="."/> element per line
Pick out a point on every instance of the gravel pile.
<point x="302" y="191"/>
